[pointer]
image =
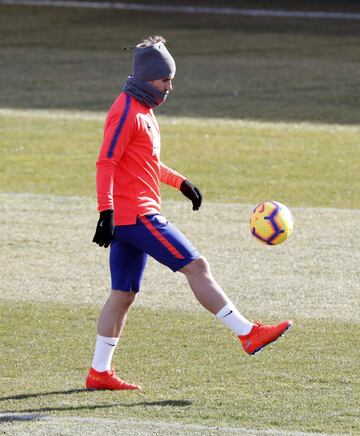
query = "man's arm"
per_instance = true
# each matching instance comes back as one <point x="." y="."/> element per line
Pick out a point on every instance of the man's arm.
<point x="104" y="188"/>
<point x="117" y="134"/>
<point x="170" y="176"/>
<point x="178" y="181"/>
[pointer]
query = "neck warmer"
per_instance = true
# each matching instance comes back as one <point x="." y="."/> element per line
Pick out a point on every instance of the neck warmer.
<point x="144" y="92"/>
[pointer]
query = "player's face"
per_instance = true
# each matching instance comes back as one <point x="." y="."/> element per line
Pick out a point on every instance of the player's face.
<point x="164" y="84"/>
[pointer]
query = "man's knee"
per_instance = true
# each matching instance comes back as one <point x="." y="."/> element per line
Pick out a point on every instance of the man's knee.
<point x="198" y="266"/>
<point x="123" y="299"/>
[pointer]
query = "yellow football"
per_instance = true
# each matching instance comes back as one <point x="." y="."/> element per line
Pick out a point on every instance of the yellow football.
<point x="271" y="222"/>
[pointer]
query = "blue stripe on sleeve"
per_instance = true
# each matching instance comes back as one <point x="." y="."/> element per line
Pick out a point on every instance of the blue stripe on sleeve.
<point x="119" y="127"/>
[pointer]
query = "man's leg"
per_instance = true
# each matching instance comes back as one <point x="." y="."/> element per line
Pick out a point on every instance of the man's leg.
<point x="111" y="323"/>
<point x="206" y="290"/>
<point x="113" y="316"/>
<point x="253" y="337"/>
<point x="212" y="297"/>
<point x="165" y="243"/>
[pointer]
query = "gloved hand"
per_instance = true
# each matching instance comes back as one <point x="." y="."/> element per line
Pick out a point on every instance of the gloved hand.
<point x="192" y="193"/>
<point x="105" y="228"/>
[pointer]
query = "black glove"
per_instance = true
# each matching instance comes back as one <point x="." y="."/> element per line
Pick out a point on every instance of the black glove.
<point x="105" y="228"/>
<point x="192" y="193"/>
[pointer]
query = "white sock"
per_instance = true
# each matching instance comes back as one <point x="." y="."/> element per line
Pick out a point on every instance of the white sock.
<point x="104" y="350"/>
<point x="231" y="317"/>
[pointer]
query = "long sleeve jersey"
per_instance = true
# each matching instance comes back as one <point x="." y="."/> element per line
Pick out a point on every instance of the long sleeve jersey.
<point x="128" y="169"/>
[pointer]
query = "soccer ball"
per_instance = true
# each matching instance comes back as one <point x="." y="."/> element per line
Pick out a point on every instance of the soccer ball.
<point x="271" y="222"/>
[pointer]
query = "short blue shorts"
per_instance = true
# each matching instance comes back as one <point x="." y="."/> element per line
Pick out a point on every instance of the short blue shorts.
<point x="151" y="235"/>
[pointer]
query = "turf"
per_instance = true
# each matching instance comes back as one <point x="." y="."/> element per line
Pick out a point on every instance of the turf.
<point x="227" y="66"/>
<point x="196" y="373"/>
<point x="262" y="108"/>
<point x="193" y="371"/>
<point x="50" y="237"/>
<point x="231" y="161"/>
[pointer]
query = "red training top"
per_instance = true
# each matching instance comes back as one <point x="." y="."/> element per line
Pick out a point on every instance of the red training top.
<point x="128" y="169"/>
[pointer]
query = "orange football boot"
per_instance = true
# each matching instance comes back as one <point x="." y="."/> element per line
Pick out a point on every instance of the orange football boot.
<point x="261" y="335"/>
<point x="107" y="380"/>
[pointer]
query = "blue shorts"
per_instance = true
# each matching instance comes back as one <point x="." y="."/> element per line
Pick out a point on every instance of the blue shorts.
<point x="151" y="235"/>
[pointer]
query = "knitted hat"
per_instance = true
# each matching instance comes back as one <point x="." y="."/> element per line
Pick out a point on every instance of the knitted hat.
<point x="152" y="63"/>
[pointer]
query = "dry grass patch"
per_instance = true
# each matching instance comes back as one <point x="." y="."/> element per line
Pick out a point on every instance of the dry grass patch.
<point x="48" y="256"/>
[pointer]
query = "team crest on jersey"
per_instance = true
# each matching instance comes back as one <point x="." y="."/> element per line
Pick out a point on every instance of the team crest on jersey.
<point x="154" y="134"/>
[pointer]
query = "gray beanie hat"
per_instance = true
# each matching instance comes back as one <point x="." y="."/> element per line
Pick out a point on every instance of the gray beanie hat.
<point x="152" y="63"/>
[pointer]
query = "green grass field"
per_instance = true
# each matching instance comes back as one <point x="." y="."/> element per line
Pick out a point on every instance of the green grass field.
<point x="263" y="108"/>
<point x="227" y="66"/>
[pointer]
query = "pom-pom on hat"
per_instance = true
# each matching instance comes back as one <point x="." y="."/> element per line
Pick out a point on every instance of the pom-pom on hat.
<point x="152" y="63"/>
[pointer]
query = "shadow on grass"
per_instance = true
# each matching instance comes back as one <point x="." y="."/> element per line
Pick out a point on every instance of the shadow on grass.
<point x="41" y="394"/>
<point x="35" y="414"/>
<point x="163" y="403"/>
<point x="175" y="403"/>
<point x="11" y="415"/>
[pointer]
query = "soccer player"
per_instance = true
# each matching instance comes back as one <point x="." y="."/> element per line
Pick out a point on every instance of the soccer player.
<point x="129" y="172"/>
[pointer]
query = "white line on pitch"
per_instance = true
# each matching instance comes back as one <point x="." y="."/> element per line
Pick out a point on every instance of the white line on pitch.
<point x="189" y="9"/>
<point x="154" y="426"/>
<point x="100" y="116"/>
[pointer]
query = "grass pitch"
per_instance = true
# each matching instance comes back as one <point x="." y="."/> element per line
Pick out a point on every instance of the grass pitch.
<point x="232" y="161"/>
<point x="193" y="371"/>
<point x="262" y="108"/>
<point x="227" y="66"/>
